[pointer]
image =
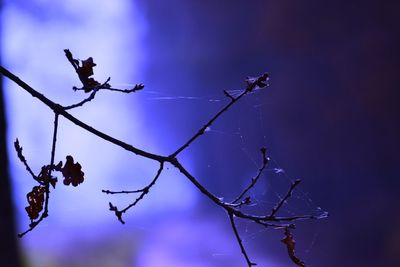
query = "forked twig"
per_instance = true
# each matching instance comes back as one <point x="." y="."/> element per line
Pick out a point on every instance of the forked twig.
<point x="142" y="192"/>
<point x="45" y="213"/>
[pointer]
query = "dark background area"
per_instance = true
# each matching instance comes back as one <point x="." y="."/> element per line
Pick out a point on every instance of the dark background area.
<point x="9" y="249"/>
<point x="330" y="114"/>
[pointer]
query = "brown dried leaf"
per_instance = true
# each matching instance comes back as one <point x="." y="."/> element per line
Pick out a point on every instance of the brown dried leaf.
<point x="290" y="245"/>
<point x="87" y="67"/>
<point x="84" y="73"/>
<point x="36" y="200"/>
<point x="72" y="172"/>
<point x="257" y="82"/>
<point x="45" y="175"/>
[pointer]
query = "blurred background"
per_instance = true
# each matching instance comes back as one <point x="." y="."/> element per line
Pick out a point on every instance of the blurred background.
<point x="329" y="117"/>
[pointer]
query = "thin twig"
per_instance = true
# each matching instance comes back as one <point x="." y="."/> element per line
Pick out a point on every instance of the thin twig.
<point x="85" y="71"/>
<point x="252" y="83"/>
<point x="91" y="96"/>
<point x="197" y="184"/>
<point x="227" y="94"/>
<point x="208" y="124"/>
<point x="79" y="104"/>
<point x="243" y="202"/>
<point x="21" y="157"/>
<point x="143" y="192"/>
<point x="239" y="240"/>
<point x="283" y="200"/>
<point x="45" y="213"/>
<point x="255" y="179"/>
<point x="123" y="191"/>
<point x="53" y="146"/>
<point x="136" y="88"/>
<point x="276" y="226"/>
<point x="236" y="212"/>
<point x="74" y="62"/>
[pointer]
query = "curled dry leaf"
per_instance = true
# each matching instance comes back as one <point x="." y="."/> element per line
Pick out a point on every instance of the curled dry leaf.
<point x="84" y="71"/>
<point x="290" y="245"/>
<point x="45" y="175"/>
<point x="257" y="82"/>
<point x="72" y="172"/>
<point x="36" y="200"/>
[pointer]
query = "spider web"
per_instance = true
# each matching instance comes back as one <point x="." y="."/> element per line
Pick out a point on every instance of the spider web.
<point x="245" y="142"/>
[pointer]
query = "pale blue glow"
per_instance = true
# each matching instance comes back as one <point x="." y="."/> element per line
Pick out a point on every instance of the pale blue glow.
<point x="33" y="43"/>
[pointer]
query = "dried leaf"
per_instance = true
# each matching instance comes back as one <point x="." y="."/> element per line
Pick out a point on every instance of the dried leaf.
<point x="72" y="172"/>
<point x="45" y="175"/>
<point x="290" y="244"/>
<point x="36" y="200"/>
<point x="84" y="71"/>
<point x="87" y="67"/>
<point x="257" y="82"/>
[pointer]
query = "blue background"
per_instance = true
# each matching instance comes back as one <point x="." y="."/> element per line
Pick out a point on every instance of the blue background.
<point x="330" y="117"/>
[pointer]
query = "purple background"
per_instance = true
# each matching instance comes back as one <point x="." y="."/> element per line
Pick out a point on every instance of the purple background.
<point x="332" y="113"/>
<point x="330" y="117"/>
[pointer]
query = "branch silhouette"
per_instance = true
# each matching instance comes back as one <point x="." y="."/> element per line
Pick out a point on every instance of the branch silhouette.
<point x="38" y="199"/>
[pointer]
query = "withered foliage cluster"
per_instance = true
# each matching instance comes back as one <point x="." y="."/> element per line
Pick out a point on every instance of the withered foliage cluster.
<point x="38" y="198"/>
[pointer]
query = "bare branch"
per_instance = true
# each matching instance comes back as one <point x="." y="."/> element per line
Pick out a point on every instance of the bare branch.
<point x="275" y="225"/>
<point x="229" y="208"/>
<point x="21" y="157"/>
<point x="255" y="179"/>
<point x="90" y="84"/>
<point x="74" y="62"/>
<point x="53" y="146"/>
<point x="60" y="110"/>
<point x="285" y="198"/>
<point x="90" y="98"/>
<point x="81" y="103"/>
<point x="257" y="82"/>
<point x="252" y="83"/>
<point x="39" y="197"/>
<point x="239" y="240"/>
<point x="208" y="124"/>
<point x="45" y="213"/>
<point x="244" y="202"/>
<point x="227" y="94"/>
<point x="123" y="191"/>
<point x="136" y="88"/>
<point x="143" y="192"/>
